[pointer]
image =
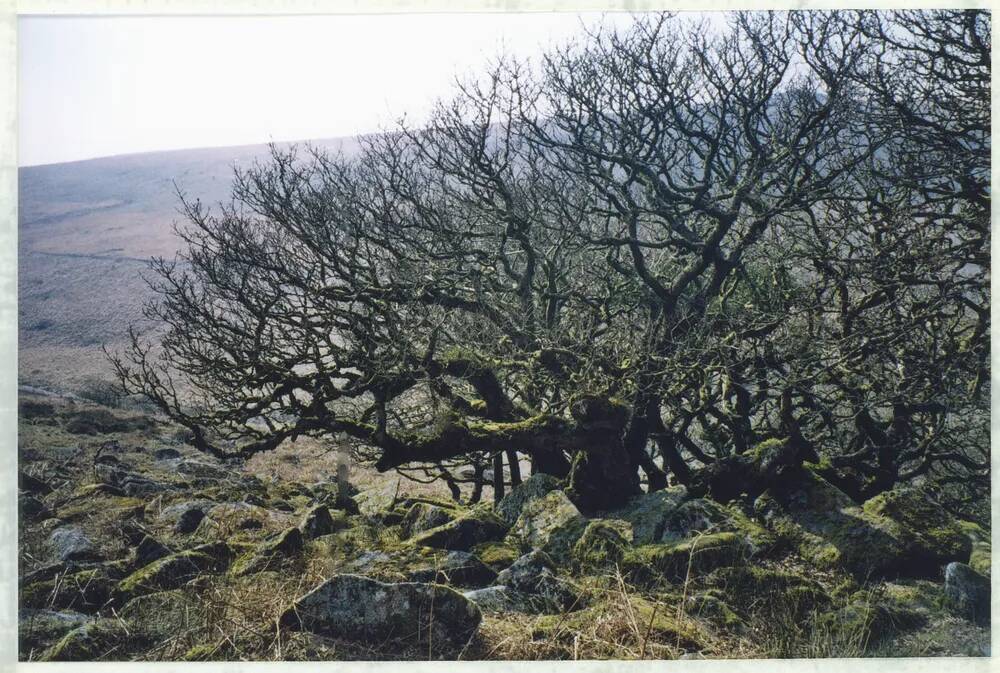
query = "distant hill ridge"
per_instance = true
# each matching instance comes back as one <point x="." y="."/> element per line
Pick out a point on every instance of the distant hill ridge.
<point x="85" y="230"/>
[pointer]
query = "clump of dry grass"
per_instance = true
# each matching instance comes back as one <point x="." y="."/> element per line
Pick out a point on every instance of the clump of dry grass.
<point x="618" y="623"/>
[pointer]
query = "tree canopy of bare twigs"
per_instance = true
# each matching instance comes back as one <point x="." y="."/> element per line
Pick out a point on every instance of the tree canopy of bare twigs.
<point x="632" y="263"/>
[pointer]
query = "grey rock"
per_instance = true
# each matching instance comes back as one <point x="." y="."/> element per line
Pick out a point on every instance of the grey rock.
<point x="422" y="517"/>
<point x="37" y="629"/>
<point x="693" y="516"/>
<point x="550" y="522"/>
<point x="129" y="483"/>
<point x="365" y="610"/>
<point x="465" y="532"/>
<point x="198" y="468"/>
<point x="148" y="550"/>
<point x="532" y="488"/>
<point x="500" y="599"/>
<point x="535" y="574"/>
<point x="33" y="485"/>
<point x="648" y="513"/>
<point x="967" y="592"/>
<point x="172" y="514"/>
<point x="70" y="543"/>
<point x="270" y="554"/>
<point x="189" y="520"/>
<point x="457" y="568"/>
<point x="368" y="560"/>
<point x="31" y="508"/>
<point x="318" y="521"/>
<point x="166" y="454"/>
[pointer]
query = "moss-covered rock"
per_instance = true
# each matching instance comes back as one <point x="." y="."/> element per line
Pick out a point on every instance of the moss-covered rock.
<point x="967" y="593"/>
<point x="171" y="572"/>
<point x="980" y="559"/>
<point x="532" y="488"/>
<point x="648" y="513"/>
<point x="84" y="591"/>
<point x="454" y="568"/>
<point x="362" y="609"/>
<point x="319" y="521"/>
<point x="535" y="575"/>
<point x="497" y="555"/>
<point x="269" y="555"/>
<point x="162" y="614"/>
<point x="474" y="527"/>
<point x="602" y="544"/>
<point x="650" y="564"/>
<point x="829" y="531"/>
<point x="711" y="607"/>
<point x="422" y="517"/>
<point x="931" y="536"/>
<point x="38" y="629"/>
<point x="550" y="522"/>
<point x="89" y="642"/>
<point x="658" y="623"/>
<point x="783" y="592"/>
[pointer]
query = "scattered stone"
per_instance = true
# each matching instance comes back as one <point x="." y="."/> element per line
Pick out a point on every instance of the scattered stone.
<point x="173" y="514"/>
<point x="148" y="550"/>
<point x="497" y="555"/>
<point x="70" y="543"/>
<point x="472" y="528"/>
<point x="166" y="454"/>
<point x="318" y="521"/>
<point x="47" y="572"/>
<point x="37" y="629"/>
<point x="532" y="488"/>
<point x="967" y="592"/>
<point x="500" y="599"/>
<point x="31" y="508"/>
<point x="648" y="513"/>
<point x="189" y="520"/>
<point x="83" y="591"/>
<point x="373" y="501"/>
<point x="457" y="568"/>
<point x="931" y="536"/>
<point x="535" y="574"/>
<point x="602" y="544"/>
<point x="362" y="609"/>
<point x="551" y="523"/>
<point x="88" y="642"/>
<point x="650" y="564"/>
<point x="422" y="517"/>
<point x="161" y="615"/>
<point x="129" y="483"/>
<point x="830" y="532"/>
<point x="691" y="517"/>
<point x="367" y="560"/>
<point x="171" y="572"/>
<point x="32" y="485"/>
<point x="198" y="468"/>
<point x="286" y="545"/>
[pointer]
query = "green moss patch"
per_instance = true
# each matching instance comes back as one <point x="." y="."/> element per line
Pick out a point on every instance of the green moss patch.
<point x="650" y="564"/>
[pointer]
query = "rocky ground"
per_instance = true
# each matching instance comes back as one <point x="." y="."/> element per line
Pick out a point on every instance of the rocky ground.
<point x="133" y="546"/>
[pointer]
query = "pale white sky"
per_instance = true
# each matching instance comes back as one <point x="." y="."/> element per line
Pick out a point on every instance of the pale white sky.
<point x="96" y="86"/>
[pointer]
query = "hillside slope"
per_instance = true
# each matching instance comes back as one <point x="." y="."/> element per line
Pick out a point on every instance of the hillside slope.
<point x="86" y="231"/>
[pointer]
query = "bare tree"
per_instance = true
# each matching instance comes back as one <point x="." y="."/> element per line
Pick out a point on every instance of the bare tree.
<point x="658" y="249"/>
